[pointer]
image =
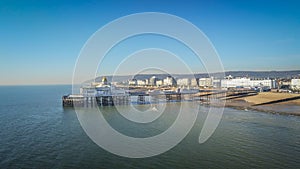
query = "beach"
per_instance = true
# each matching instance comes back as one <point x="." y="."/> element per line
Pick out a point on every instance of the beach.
<point x="252" y="103"/>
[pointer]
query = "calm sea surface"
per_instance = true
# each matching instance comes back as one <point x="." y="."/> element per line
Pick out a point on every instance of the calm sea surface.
<point x="36" y="132"/>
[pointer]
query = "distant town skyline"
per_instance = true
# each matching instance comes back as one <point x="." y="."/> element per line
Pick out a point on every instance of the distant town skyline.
<point x="40" y="40"/>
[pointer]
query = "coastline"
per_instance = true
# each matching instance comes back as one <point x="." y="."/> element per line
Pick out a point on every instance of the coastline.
<point x="284" y="108"/>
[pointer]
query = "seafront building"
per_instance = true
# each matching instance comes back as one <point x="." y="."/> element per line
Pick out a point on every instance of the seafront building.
<point x="235" y="82"/>
<point x="159" y="82"/>
<point x="132" y="82"/>
<point x="184" y="82"/>
<point x="263" y="82"/>
<point x="169" y="81"/>
<point x="142" y="82"/>
<point x="206" y="82"/>
<point x="246" y="82"/>
<point x="211" y="82"/>
<point x="194" y="82"/>
<point x="152" y="81"/>
<point x="295" y="84"/>
<point x="216" y="83"/>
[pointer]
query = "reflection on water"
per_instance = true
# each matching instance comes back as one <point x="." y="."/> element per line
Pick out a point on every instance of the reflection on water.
<point x="36" y="132"/>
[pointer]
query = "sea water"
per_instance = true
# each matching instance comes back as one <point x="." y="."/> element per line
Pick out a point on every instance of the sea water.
<point x="37" y="132"/>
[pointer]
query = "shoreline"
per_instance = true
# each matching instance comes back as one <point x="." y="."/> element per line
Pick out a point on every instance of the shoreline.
<point x="283" y="108"/>
<point x="250" y="108"/>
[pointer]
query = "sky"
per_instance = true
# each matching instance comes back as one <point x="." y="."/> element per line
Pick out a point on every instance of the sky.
<point x="41" y="40"/>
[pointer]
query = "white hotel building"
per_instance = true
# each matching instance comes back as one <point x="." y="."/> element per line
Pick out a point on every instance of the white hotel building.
<point x="295" y="83"/>
<point x="265" y="82"/>
<point x="183" y="82"/>
<point x="247" y="82"/>
<point x="169" y="81"/>
<point x="236" y="82"/>
<point x="206" y="82"/>
<point x="141" y="83"/>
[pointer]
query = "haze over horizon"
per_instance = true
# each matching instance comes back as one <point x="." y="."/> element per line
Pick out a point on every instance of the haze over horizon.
<point x="41" y="40"/>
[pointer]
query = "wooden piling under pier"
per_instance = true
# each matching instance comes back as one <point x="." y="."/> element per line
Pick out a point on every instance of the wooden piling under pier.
<point x="174" y="97"/>
<point x="141" y="99"/>
<point x="81" y="101"/>
<point x="71" y="100"/>
<point x="112" y="100"/>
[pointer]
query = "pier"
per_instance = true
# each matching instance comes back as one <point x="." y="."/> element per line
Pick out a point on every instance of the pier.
<point x="145" y="98"/>
<point x="81" y="101"/>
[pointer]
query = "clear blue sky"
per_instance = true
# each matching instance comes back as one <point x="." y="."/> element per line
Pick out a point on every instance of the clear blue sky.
<point x="40" y="40"/>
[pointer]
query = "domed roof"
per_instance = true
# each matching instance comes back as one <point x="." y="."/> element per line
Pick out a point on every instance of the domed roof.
<point x="104" y="79"/>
